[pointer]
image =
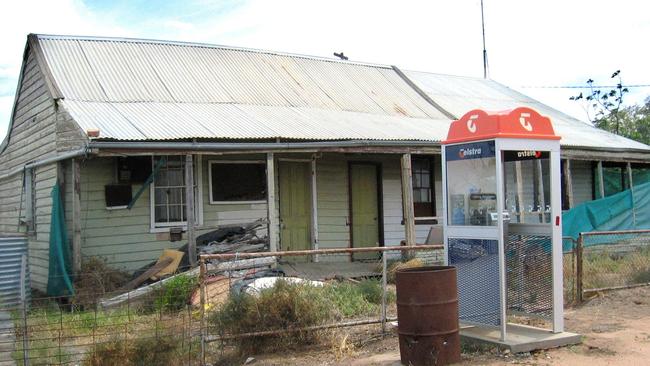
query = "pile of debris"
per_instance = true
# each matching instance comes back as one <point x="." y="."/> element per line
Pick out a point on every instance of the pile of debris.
<point x="234" y="239"/>
<point x="241" y="238"/>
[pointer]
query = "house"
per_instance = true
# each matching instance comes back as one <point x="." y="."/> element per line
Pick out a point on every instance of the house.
<point x="331" y="152"/>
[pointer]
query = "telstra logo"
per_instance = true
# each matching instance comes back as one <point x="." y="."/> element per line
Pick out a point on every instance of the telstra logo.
<point x="471" y="123"/>
<point x="463" y="153"/>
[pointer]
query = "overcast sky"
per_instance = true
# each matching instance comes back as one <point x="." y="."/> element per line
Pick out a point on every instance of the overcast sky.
<point x="529" y="43"/>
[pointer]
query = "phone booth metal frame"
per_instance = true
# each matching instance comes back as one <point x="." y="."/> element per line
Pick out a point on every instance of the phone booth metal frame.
<point x="487" y="159"/>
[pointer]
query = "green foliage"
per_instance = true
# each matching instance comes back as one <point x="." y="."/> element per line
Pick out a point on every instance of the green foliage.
<point x="348" y="299"/>
<point x="607" y="111"/>
<point x="289" y="305"/>
<point x="164" y="351"/>
<point x="175" y="293"/>
<point x="282" y="306"/>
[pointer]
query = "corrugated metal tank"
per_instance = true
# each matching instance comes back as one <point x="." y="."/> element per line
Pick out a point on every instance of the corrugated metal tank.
<point x="12" y="250"/>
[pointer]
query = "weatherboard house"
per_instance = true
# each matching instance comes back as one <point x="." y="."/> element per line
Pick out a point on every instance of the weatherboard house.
<point x="332" y="153"/>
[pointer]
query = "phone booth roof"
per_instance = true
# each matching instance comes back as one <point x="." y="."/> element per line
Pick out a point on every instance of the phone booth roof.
<point x="518" y="123"/>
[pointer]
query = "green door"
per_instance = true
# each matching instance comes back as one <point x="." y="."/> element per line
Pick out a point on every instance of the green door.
<point x="295" y="207"/>
<point x="365" y="210"/>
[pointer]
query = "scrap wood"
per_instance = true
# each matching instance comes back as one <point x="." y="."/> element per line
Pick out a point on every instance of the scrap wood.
<point x="217" y="290"/>
<point x="252" y="246"/>
<point x="155" y="269"/>
<point x="243" y="264"/>
<point x="139" y="294"/>
<point x="176" y="257"/>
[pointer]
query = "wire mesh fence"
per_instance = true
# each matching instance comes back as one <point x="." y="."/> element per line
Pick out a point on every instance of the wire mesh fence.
<point x="234" y="304"/>
<point x="214" y="313"/>
<point x="613" y="260"/>
<point x="268" y="301"/>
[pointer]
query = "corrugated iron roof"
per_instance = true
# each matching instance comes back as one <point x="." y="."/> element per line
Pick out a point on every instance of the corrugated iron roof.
<point x="133" y="89"/>
<point x="140" y="89"/>
<point x="169" y="121"/>
<point x="458" y="95"/>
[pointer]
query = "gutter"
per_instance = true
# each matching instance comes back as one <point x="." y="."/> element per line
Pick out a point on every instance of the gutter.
<point x="46" y="161"/>
<point x="267" y="146"/>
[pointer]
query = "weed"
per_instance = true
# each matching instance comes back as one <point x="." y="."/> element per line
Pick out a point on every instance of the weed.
<point x="163" y="351"/>
<point x="282" y="306"/>
<point x="175" y="293"/>
<point x="348" y="299"/>
<point x="95" y="280"/>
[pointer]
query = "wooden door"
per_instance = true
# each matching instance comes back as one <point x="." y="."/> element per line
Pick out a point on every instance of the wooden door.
<point x="364" y="207"/>
<point x="295" y="207"/>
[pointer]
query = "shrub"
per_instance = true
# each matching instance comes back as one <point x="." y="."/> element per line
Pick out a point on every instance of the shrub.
<point x="348" y="299"/>
<point x="371" y="291"/>
<point x="163" y="351"/>
<point x="95" y="280"/>
<point x="282" y="306"/>
<point x="174" y="294"/>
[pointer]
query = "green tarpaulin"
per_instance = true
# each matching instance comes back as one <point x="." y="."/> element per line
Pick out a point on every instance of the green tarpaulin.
<point x="627" y="210"/>
<point x="58" y="282"/>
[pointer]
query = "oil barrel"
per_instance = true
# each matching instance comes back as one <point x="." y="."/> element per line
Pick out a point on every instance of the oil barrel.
<point x="427" y="315"/>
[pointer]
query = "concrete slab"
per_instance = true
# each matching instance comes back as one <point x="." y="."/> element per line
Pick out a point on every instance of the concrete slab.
<point x="520" y="338"/>
<point x="329" y="270"/>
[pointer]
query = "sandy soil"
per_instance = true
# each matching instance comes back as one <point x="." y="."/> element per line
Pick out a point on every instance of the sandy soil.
<point x="616" y="329"/>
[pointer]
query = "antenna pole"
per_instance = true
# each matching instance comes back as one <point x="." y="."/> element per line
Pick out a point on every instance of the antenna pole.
<point x="484" y="50"/>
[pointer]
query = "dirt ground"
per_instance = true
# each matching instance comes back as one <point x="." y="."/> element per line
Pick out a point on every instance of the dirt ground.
<point x="615" y="326"/>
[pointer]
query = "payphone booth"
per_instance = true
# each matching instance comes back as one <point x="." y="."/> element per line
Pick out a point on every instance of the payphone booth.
<point x="502" y="226"/>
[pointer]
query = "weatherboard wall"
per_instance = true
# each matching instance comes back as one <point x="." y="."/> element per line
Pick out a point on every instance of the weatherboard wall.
<point x="125" y="240"/>
<point x="31" y="137"/>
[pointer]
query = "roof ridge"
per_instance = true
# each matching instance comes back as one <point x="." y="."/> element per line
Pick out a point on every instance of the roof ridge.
<point x="206" y="45"/>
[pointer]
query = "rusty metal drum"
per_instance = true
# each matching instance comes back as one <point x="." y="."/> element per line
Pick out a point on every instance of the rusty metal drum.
<point x="427" y="315"/>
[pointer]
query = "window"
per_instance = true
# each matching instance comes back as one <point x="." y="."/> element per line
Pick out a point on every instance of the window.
<point x="117" y="195"/>
<point x="423" y="191"/>
<point x="237" y="181"/>
<point x="133" y="169"/>
<point x="29" y="198"/>
<point x="168" y="192"/>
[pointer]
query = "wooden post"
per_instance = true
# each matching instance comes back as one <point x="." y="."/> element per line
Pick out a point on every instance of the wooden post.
<point x="601" y="180"/>
<point x="76" y="216"/>
<point x="568" y="182"/>
<point x="520" y="193"/>
<point x="407" y="200"/>
<point x="579" y="246"/>
<point x="189" y="206"/>
<point x="270" y="203"/>
<point x="314" y="209"/>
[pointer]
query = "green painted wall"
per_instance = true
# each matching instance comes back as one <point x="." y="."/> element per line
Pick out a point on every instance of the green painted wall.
<point x="124" y="238"/>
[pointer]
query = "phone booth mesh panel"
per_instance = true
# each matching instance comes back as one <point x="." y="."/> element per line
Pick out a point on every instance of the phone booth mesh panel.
<point x="529" y="275"/>
<point x="477" y="265"/>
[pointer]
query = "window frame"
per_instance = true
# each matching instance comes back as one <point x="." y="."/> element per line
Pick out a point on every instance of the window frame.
<point x="158" y="227"/>
<point x="432" y="187"/>
<point x="215" y="161"/>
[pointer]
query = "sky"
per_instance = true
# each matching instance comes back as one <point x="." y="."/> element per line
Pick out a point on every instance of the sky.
<point x="531" y="45"/>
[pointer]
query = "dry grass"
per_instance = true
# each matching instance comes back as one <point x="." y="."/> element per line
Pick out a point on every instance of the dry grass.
<point x="607" y="268"/>
<point x="95" y="280"/>
<point x="396" y="266"/>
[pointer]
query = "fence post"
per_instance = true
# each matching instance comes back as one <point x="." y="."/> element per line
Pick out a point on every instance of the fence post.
<point x="23" y="300"/>
<point x="579" y="246"/>
<point x="384" y="269"/>
<point x="202" y="278"/>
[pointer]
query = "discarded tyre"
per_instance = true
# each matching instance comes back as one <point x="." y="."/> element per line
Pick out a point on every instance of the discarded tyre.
<point x="427" y="315"/>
